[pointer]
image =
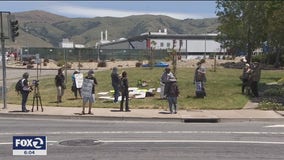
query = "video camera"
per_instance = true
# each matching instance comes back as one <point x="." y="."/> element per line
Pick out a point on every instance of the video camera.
<point x="35" y="82"/>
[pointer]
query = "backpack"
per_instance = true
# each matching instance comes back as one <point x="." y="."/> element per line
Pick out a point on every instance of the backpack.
<point x="173" y="90"/>
<point x="19" y="86"/>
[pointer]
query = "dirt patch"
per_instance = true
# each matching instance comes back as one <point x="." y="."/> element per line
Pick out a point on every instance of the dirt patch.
<point x="120" y="64"/>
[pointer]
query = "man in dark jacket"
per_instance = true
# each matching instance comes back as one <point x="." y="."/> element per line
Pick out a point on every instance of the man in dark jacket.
<point x="200" y="79"/>
<point x="124" y="92"/>
<point x="172" y="92"/>
<point x="255" y="78"/>
<point x="60" y="85"/>
<point x="115" y="81"/>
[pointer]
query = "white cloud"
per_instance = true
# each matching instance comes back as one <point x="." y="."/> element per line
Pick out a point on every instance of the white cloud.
<point x="75" y="11"/>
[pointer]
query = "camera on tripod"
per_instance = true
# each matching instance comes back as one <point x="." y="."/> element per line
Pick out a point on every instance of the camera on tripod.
<point x="37" y="97"/>
<point x="35" y="82"/>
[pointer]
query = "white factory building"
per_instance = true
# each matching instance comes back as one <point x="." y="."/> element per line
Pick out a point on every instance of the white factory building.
<point x="188" y="45"/>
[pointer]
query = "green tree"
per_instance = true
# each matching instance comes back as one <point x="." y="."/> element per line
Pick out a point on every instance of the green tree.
<point x="242" y="25"/>
<point x="275" y="33"/>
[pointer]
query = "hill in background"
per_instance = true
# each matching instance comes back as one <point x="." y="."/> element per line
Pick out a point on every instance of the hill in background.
<point x="44" y="29"/>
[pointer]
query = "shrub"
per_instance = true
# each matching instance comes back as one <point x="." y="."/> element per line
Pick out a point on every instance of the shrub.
<point x="102" y="64"/>
<point x="80" y="65"/>
<point x="138" y="64"/>
<point x="274" y="92"/>
<point x="259" y="58"/>
<point x="29" y="66"/>
<point x="167" y="59"/>
<point x="62" y="63"/>
<point x="270" y="104"/>
<point x="272" y="98"/>
<point x="46" y="60"/>
<point x="268" y="58"/>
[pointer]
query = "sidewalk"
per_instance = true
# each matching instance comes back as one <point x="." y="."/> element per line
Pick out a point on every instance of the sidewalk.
<point x="210" y="116"/>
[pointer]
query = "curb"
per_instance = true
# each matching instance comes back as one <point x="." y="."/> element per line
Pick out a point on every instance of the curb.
<point x="148" y="119"/>
<point x="92" y="117"/>
<point x="281" y="114"/>
<point x="114" y="118"/>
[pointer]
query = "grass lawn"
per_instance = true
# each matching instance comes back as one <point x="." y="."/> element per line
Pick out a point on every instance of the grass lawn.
<point x="223" y="89"/>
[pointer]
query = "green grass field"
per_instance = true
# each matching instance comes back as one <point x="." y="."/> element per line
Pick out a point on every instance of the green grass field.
<point x="223" y="89"/>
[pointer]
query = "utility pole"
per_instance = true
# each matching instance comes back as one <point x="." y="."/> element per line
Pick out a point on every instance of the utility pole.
<point x="3" y="59"/>
<point x="13" y="28"/>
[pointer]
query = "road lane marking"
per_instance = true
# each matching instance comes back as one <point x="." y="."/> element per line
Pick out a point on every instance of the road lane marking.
<point x="188" y="141"/>
<point x="275" y="126"/>
<point x="173" y="141"/>
<point x="146" y="132"/>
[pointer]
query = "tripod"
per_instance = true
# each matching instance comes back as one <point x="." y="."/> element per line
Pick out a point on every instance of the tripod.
<point x="37" y="97"/>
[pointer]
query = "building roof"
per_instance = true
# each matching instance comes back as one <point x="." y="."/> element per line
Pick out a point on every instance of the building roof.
<point x="162" y="36"/>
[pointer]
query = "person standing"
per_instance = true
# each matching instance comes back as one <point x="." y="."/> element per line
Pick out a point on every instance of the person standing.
<point x="200" y="79"/>
<point x="88" y="91"/>
<point x="172" y="92"/>
<point x="255" y="78"/>
<point x="25" y="91"/>
<point x="195" y="78"/>
<point x="60" y="85"/>
<point x="75" y="89"/>
<point x="164" y="80"/>
<point x="115" y="81"/>
<point x="124" y="92"/>
<point x="245" y="77"/>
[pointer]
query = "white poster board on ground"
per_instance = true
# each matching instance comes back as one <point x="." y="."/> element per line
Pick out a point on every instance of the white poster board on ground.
<point x="79" y="80"/>
<point x="87" y="87"/>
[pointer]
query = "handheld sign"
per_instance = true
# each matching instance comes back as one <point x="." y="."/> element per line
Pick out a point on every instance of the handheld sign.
<point x="87" y="87"/>
<point x="79" y="80"/>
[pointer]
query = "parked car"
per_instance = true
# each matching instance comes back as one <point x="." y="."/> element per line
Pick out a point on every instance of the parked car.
<point x="157" y="64"/>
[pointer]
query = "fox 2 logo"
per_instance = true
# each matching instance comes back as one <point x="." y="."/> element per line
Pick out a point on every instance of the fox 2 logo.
<point x="29" y="142"/>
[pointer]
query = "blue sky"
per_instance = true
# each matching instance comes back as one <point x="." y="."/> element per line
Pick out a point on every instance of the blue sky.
<point x="91" y="9"/>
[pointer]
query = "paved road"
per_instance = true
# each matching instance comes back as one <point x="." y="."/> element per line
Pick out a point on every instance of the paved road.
<point x="141" y="140"/>
<point x="12" y="75"/>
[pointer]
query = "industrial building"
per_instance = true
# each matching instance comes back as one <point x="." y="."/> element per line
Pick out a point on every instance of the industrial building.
<point x="187" y="45"/>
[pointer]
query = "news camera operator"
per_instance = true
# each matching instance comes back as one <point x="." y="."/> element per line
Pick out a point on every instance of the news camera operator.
<point x="27" y="88"/>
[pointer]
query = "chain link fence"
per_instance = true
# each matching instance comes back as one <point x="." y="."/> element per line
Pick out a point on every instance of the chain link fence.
<point x="89" y="54"/>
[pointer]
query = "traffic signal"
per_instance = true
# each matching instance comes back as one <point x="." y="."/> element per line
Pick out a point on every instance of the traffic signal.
<point x="14" y="27"/>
